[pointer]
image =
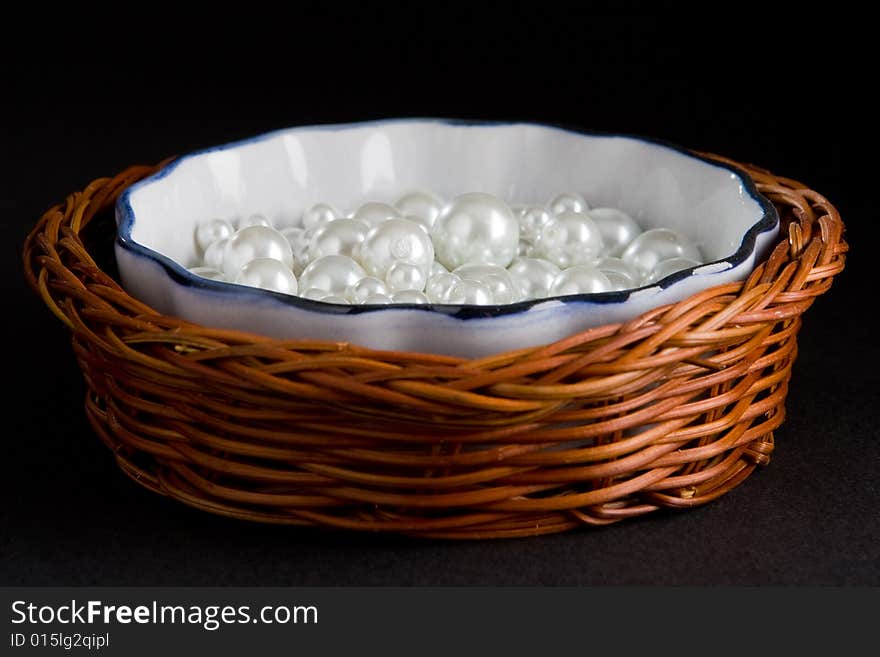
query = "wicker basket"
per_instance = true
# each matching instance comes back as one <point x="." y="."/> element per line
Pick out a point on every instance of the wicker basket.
<point x="670" y="410"/>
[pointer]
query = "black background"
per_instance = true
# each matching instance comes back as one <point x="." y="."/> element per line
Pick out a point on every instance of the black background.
<point x="82" y="103"/>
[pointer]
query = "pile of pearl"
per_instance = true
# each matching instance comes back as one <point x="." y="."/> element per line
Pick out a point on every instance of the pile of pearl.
<point x="475" y="249"/>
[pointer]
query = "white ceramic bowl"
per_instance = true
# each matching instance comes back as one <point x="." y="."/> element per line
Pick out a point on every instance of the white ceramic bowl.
<point x="282" y="173"/>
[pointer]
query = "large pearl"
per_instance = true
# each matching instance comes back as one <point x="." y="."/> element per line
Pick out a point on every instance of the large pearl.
<point x="567" y="202"/>
<point x="253" y="220"/>
<point x="535" y="276"/>
<point x="476" y="228"/>
<point x="255" y="242"/>
<point x="405" y="276"/>
<point x="654" y="246"/>
<point x="396" y="240"/>
<point x="333" y="274"/>
<point x="211" y="231"/>
<point x="532" y="218"/>
<point x="500" y="282"/>
<point x="472" y="293"/>
<point x="570" y="239"/>
<point x="621" y="275"/>
<point x="208" y="272"/>
<point x="339" y="237"/>
<point x="375" y="213"/>
<point x="409" y="296"/>
<point x="365" y="288"/>
<point x="268" y="274"/>
<point x="618" y="229"/>
<point x="318" y="215"/>
<point x="580" y="279"/>
<point x="421" y="204"/>
<point x="438" y="287"/>
<point x="214" y="254"/>
<point x="669" y="267"/>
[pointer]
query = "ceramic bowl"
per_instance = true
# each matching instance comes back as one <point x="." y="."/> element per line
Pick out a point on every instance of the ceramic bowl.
<point x="282" y="173"/>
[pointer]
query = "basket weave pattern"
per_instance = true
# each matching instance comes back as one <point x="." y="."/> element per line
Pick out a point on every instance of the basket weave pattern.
<point x="670" y="410"/>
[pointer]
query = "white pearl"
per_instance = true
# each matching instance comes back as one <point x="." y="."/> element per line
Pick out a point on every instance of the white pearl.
<point x="409" y="296"/>
<point x="654" y="246"/>
<point x="531" y="220"/>
<point x="621" y="275"/>
<point x="437" y="269"/>
<point x="333" y="274"/>
<point x="570" y="239"/>
<point x="438" y="287"/>
<point x="396" y="240"/>
<point x="207" y="272"/>
<point x="526" y="249"/>
<point x="313" y="293"/>
<point x="500" y="282"/>
<point x="339" y="237"/>
<point x="471" y="293"/>
<point x="333" y="298"/>
<point x="580" y="279"/>
<point x="476" y="228"/>
<point x="405" y="276"/>
<point x="421" y="204"/>
<point x="669" y="267"/>
<point x="255" y="242"/>
<point x="253" y="220"/>
<point x="211" y="231"/>
<point x="318" y="215"/>
<point x="364" y="288"/>
<point x="567" y="202"/>
<point x="374" y="213"/>
<point x="214" y="254"/>
<point x="377" y="300"/>
<point x="535" y="276"/>
<point x="299" y="244"/>
<point x="268" y="274"/>
<point x="618" y="229"/>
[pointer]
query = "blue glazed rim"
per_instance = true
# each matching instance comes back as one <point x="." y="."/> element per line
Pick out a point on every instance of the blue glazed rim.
<point x="126" y="218"/>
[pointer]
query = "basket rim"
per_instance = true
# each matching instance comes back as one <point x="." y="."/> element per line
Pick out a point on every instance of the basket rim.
<point x="125" y="218"/>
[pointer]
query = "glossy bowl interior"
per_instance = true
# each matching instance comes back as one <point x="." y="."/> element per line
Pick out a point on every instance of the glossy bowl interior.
<point x="283" y="173"/>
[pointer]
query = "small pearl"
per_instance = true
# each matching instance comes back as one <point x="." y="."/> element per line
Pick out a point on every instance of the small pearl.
<point x="339" y="237"/>
<point x="374" y="213"/>
<point x="654" y="246"/>
<point x="535" y="276"/>
<point x="211" y="231"/>
<point x="377" y="300"/>
<point x="526" y="249"/>
<point x="318" y="215"/>
<point x="570" y="239"/>
<point x="268" y="274"/>
<point x="409" y="296"/>
<point x="438" y="287"/>
<point x="207" y="272"/>
<point x="214" y="254"/>
<point x="475" y="228"/>
<point x="396" y="240"/>
<point x="364" y="288"/>
<point x="332" y="298"/>
<point x="500" y="282"/>
<point x="618" y="229"/>
<point x="669" y="267"/>
<point x="437" y="269"/>
<point x="299" y="244"/>
<point x="255" y="242"/>
<point x="253" y="220"/>
<point x="405" y="276"/>
<point x="421" y="204"/>
<point x="531" y="220"/>
<point x="580" y="279"/>
<point x="567" y="202"/>
<point x="472" y="293"/>
<point x="314" y="294"/>
<point x="621" y="275"/>
<point x="333" y="274"/>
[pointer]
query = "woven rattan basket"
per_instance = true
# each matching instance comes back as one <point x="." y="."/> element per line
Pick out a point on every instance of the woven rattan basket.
<point x="670" y="410"/>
